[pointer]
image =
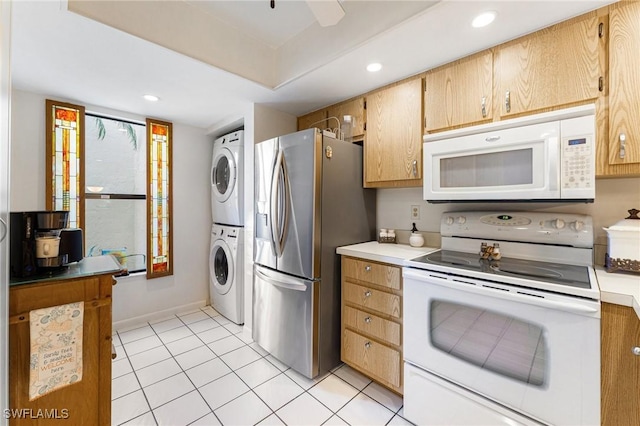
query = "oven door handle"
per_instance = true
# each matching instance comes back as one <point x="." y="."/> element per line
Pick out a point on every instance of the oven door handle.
<point x="471" y="287"/>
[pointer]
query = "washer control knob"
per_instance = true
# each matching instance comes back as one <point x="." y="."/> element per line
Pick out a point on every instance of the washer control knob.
<point x="449" y="221"/>
<point x="461" y="219"/>
<point x="578" y="226"/>
<point x="558" y="223"/>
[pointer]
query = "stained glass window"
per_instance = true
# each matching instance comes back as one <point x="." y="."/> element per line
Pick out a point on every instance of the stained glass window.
<point x="159" y="199"/>
<point x="65" y="171"/>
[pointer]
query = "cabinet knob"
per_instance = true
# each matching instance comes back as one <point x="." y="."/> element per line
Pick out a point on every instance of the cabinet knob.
<point x="367" y="320"/>
<point x="507" y="101"/>
<point x="367" y="293"/>
<point x="367" y="345"/>
<point x="636" y="350"/>
<point x="623" y="141"/>
<point x="367" y="268"/>
<point x="484" y="107"/>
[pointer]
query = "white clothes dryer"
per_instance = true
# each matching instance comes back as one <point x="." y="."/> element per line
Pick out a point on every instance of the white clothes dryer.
<point x="227" y="183"/>
<point x="226" y="273"/>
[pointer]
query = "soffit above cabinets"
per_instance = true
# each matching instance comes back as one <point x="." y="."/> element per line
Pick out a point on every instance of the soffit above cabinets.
<point x="210" y="61"/>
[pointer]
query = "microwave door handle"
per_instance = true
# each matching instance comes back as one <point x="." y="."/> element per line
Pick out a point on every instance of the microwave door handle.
<point x="274" y="205"/>
<point x="283" y="282"/>
<point x="554" y="163"/>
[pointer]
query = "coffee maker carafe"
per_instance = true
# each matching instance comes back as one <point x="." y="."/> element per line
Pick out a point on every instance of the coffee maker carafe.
<point x="35" y="242"/>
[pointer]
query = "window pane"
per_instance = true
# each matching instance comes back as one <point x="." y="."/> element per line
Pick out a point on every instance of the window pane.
<point x="117" y="227"/>
<point x="115" y="158"/>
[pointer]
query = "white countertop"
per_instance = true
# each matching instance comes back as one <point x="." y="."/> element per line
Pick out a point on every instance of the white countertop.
<point x="387" y="253"/>
<point x="619" y="288"/>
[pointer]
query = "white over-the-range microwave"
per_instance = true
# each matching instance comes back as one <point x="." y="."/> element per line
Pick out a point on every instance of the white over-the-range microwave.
<point x="542" y="157"/>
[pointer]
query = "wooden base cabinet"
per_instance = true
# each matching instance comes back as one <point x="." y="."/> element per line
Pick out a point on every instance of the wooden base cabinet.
<point x="87" y="402"/>
<point x="620" y="366"/>
<point x="372" y="320"/>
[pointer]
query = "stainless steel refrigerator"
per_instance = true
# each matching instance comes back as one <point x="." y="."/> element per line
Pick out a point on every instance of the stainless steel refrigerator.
<point x="308" y="201"/>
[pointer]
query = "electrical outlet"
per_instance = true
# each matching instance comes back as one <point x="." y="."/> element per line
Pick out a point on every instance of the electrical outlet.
<point x="415" y="212"/>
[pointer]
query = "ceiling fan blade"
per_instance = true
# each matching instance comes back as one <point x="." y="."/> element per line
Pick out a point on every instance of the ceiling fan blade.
<point x="327" y="12"/>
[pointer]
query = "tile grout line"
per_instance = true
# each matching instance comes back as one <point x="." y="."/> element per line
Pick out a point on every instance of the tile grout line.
<point x="140" y="384"/>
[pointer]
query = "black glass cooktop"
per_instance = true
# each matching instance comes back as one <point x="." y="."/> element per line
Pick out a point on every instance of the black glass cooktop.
<point x="556" y="273"/>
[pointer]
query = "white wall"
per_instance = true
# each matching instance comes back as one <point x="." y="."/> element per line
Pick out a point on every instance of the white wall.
<point x="613" y="198"/>
<point x="134" y="298"/>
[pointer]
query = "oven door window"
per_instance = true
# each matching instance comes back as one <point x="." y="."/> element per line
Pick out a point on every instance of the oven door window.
<point x="502" y="344"/>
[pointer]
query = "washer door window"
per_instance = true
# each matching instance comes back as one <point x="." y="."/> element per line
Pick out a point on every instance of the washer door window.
<point x="223" y="175"/>
<point x="221" y="267"/>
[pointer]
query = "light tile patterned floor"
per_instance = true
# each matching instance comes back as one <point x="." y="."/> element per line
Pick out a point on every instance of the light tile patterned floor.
<point x="199" y="369"/>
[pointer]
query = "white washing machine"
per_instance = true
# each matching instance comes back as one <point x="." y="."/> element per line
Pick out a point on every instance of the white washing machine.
<point x="227" y="179"/>
<point x="225" y="272"/>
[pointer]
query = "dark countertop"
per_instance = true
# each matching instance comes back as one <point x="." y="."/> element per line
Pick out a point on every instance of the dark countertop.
<point x="89" y="266"/>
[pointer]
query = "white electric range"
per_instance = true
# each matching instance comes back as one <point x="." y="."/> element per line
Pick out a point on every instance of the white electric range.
<point x="511" y="338"/>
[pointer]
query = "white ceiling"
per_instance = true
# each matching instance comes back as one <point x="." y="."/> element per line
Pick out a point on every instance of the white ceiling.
<point x="67" y="56"/>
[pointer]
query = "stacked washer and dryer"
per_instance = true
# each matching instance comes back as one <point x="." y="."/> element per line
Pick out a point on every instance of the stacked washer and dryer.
<point x="226" y="249"/>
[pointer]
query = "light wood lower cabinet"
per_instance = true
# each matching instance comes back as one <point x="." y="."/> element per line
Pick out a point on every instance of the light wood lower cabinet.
<point x="372" y="320"/>
<point x="87" y="402"/>
<point x="620" y="371"/>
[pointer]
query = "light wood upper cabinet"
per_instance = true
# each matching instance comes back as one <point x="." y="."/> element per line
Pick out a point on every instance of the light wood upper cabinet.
<point x="554" y="67"/>
<point x="459" y="93"/>
<point x="620" y="395"/>
<point x="313" y="119"/>
<point x="393" y="146"/>
<point x="355" y="108"/>
<point x="624" y="85"/>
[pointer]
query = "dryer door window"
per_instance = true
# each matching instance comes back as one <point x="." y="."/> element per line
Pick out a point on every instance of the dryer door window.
<point x="221" y="267"/>
<point x="223" y="175"/>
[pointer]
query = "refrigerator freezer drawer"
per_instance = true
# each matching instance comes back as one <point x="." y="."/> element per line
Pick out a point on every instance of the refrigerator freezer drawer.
<point x="285" y="319"/>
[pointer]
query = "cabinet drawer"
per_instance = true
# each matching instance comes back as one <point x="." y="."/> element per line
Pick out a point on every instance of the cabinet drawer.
<point x="371" y="272"/>
<point x="372" y="325"/>
<point x="376" y="300"/>
<point x="378" y="360"/>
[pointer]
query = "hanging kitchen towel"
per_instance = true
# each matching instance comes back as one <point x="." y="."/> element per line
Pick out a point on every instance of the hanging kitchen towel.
<point x="56" y="348"/>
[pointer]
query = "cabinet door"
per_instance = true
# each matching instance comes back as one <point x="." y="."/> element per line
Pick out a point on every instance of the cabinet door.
<point x="313" y="119"/>
<point x="620" y="367"/>
<point x="354" y="108"/>
<point x="624" y="84"/>
<point x="459" y="93"/>
<point x="393" y="148"/>
<point x="557" y="66"/>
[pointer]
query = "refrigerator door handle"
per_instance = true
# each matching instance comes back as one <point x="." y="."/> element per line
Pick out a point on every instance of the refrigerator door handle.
<point x="274" y="204"/>
<point x="283" y="282"/>
<point x="279" y="204"/>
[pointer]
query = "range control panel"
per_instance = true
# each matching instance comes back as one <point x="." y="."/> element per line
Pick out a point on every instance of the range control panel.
<point x="536" y="227"/>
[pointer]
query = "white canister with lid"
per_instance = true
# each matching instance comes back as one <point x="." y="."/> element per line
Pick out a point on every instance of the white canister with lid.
<point x="623" y="251"/>
<point x="416" y="239"/>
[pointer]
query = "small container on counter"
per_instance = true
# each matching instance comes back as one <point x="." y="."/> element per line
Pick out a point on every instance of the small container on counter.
<point x="387" y="236"/>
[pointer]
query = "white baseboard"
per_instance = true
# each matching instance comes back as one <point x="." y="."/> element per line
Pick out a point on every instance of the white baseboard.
<point x="138" y="321"/>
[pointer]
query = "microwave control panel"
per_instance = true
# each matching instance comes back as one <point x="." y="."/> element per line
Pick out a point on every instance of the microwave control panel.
<point x="577" y="158"/>
<point x="577" y="163"/>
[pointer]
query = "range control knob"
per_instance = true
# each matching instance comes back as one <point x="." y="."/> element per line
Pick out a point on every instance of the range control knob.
<point x="449" y="220"/>
<point x="461" y="220"/>
<point x="558" y="223"/>
<point x="577" y="226"/>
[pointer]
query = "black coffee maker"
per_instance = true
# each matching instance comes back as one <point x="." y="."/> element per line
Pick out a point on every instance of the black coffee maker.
<point x="35" y="242"/>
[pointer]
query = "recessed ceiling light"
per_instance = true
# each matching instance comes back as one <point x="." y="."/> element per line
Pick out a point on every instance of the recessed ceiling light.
<point x="483" y="19"/>
<point x="151" y="98"/>
<point x="374" y="67"/>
